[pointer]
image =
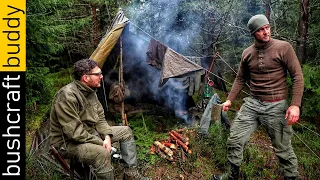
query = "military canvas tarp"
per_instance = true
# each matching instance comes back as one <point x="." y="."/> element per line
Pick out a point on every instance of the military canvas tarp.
<point x="108" y="42"/>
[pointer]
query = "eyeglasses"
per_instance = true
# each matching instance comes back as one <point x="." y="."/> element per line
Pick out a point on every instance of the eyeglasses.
<point x="96" y="74"/>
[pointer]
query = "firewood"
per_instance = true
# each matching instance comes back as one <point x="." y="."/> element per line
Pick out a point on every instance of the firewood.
<point x="164" y="148"/>
<point x="180" y="136"/>
<point x="163" y="155"/>
<point x="184" y="146"/>
<point x="180" y="130"/>
<point x="152" y="149"/>
<point x="170" y="145"/>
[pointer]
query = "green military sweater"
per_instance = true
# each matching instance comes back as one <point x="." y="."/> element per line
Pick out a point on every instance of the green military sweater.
<point x="266" y="68"/>
<point x="76" y="115"/>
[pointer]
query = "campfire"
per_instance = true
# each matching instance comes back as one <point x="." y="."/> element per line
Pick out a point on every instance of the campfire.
<point x="173" y="148"/>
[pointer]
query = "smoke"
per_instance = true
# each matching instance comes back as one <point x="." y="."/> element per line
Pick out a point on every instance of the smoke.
<point x="171" y="24"/>
<point x="167" y="21"/>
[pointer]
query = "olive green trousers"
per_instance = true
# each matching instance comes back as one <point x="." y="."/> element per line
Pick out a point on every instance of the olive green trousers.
<point x="253" y="113"/>
<point x="99" y="159"/>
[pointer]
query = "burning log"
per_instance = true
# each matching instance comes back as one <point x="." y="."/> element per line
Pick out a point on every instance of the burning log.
<point x="183" y="145"/>
<point x="164" y="148"/>
<point x="183" y="139"/>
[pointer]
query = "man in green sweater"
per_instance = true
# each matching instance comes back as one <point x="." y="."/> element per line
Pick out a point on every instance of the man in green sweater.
<point x="78" y="126"/>
<point x="264" y="65"/>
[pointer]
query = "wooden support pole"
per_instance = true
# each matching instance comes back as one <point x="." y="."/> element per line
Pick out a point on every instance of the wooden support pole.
<point x="121" y="80"/>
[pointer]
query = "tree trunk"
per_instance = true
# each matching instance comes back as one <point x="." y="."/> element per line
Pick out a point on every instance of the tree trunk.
<point x="94" y="25"/>
<point x="303" y="30"/>
<point x="268" y="4"/>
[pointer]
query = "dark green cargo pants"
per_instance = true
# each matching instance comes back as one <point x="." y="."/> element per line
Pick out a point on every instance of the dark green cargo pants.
<point x="270" y="114"/>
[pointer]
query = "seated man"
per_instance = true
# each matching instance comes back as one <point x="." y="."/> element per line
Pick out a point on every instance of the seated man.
<point x="79" y="128"/>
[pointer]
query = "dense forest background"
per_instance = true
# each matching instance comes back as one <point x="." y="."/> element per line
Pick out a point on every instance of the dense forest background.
<point x="60" y="32"/>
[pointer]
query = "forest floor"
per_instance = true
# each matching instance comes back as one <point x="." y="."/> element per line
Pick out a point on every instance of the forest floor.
<point x="202" y="164"/>
<point x="150" y="123"/>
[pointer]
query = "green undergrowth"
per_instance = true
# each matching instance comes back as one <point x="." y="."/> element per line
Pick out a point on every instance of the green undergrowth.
<point x="207" y="155"/>
<point x="61" y="78"/>
<point x="41" y="170"/>
<point x="147" y="129"/>
<point x="306" y="144"/>
<point x="254" y="163"/>
<point x="39" y="112"/>
<point x="217" y="144"/>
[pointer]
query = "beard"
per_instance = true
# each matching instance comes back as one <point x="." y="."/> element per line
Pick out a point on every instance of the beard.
<point x="263" y="40"/>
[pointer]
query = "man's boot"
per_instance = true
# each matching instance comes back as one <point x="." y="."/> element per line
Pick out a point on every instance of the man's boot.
<point x="234" y="172"/>
<point x="129" y="155"/>
<point x="105" y="175"/>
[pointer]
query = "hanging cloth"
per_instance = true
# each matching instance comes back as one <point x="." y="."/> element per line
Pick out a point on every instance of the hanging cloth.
<point x="155" y="53"/>
<point x="176" y="66"/>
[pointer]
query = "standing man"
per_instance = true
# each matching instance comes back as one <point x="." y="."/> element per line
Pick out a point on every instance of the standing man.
<point x="265" y="65"/>
<point x="79" y="128"/>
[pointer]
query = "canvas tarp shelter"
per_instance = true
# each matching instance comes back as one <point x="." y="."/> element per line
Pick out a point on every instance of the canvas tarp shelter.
<point x="110" y="39"/>
<point x="135" y="68"/>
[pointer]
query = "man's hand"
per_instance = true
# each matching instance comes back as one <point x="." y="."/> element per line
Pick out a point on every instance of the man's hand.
<point x="107" y="143"/>
<point x="226" y="105"/>
<point x="293" y="114"/>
